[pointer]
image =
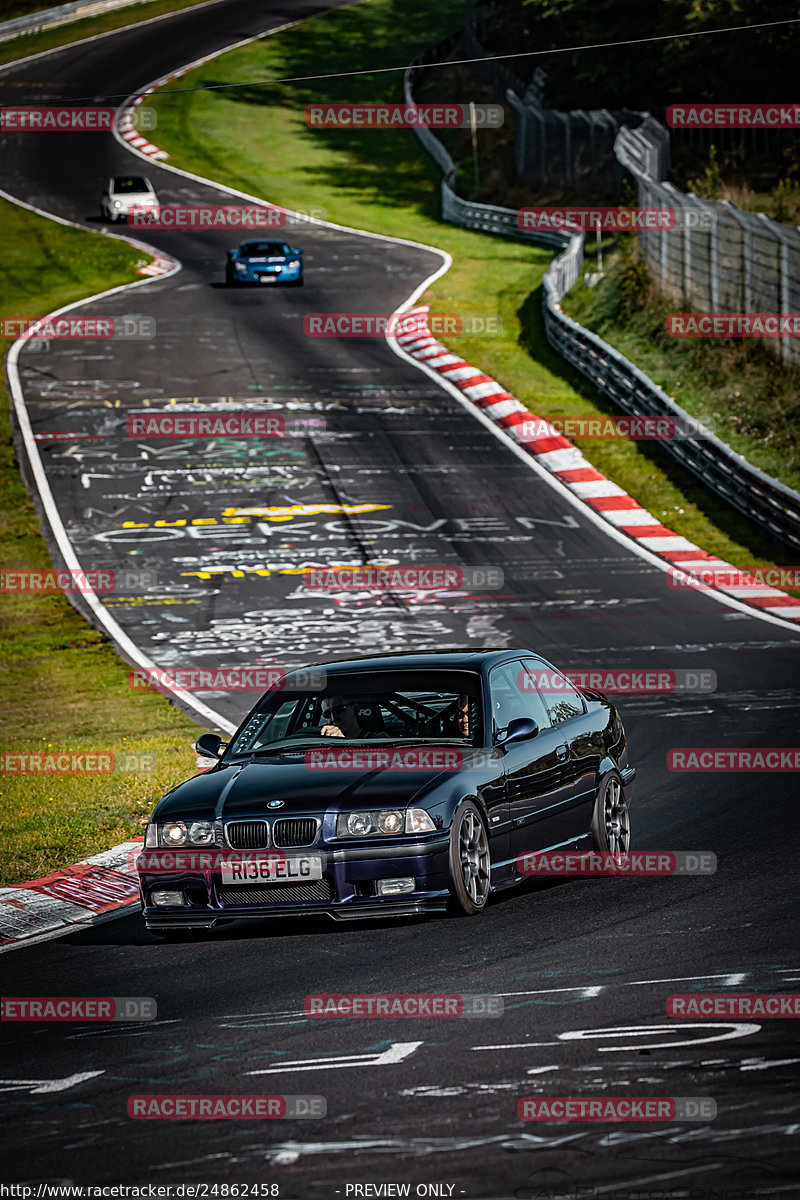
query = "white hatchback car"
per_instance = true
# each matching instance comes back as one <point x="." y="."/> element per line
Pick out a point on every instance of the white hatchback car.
<point x="124" y="192"/>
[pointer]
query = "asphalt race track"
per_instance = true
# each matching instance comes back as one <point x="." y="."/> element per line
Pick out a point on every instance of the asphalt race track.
<point x="400" y="470"/>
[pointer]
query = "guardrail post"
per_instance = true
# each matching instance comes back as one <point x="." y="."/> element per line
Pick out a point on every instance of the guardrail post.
<point x="744" y="221"/>
<point x="784" y="276"/>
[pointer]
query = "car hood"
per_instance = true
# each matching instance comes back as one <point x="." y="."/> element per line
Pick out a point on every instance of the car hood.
<point x="245" y="789"/>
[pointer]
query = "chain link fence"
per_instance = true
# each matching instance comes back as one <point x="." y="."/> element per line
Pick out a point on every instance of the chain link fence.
<point x="775" y="507"/>
<point x="718" y="259"/>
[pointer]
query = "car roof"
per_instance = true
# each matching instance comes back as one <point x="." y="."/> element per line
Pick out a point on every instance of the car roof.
<point x="468" y="659"/>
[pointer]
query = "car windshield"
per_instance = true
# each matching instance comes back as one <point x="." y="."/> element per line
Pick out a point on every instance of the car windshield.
<point x="263" y="249"/>
<point x="440" y="706"/>
<point x="130" y="183"/>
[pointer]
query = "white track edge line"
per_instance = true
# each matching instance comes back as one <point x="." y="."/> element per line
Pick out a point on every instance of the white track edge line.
<point x="558" y="485"/>
<point x="121" y="639"/>
<point x="96" y="37"/>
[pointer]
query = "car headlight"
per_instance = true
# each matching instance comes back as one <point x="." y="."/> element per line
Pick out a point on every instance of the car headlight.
<point x="292" y="266"/>
<point x="116" y="204"/>
<point x="384" y="823"/>
<point x="178" y="833"/>
<point x="370" y="824"/>
<point x="174" y="833"/>
<point x="240" y="266"/>
<point x="390" y="822"/>
<point x="201" y="833"/>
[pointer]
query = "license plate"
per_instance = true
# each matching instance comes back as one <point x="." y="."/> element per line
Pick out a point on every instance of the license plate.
<point x="267" y="278"/>
<point x="271" y="868"/>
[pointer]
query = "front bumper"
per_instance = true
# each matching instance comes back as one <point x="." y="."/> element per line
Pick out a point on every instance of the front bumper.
<point x="153" y="212"/>
<point x="347" y="890"/>
<point x="268" y="275"/>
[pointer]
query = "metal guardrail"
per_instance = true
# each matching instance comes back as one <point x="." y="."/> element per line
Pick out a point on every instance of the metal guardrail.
<point x="758" y="496"/>
<point x="49" y="18"/>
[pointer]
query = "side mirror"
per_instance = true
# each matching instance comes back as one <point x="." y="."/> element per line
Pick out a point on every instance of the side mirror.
<point x="518" y="730"/>
<point x="208" y="745"/>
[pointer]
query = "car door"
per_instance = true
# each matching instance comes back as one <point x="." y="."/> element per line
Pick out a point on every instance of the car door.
<point x="571" y="721"/>
<point x="537" y="783"/>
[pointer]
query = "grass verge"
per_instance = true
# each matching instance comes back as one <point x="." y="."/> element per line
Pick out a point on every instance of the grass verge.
<point x="734" y="385"/>
<point x="74" y="31"/>
<point x="62" y="686"/>
<point x="255" y="138"/>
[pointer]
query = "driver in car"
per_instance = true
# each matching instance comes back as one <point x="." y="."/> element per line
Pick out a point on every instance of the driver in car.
<point x="341" y="716"/>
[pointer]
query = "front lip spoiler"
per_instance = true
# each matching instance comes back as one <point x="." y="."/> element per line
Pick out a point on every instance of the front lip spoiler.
<point x="362" y="912"/>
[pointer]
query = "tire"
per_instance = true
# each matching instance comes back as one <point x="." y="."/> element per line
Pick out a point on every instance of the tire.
<point x="611" y="825"/>
<point x="470" y="867"/>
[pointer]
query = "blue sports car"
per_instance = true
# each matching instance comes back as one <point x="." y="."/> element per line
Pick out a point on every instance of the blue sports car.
<point x="259" y="261"/>
<point x="407" y="783"/>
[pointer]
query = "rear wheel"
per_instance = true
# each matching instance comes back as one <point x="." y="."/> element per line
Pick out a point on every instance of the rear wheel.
<point x="611" y="822"/>
<point x="470" y="863"/>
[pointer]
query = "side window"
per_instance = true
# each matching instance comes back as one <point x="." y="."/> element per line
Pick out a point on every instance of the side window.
<point x="562" y="700"/>
<point x="513" y="695"/>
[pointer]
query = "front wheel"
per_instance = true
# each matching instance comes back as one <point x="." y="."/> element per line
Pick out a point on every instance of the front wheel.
<point x="611" y="822"/>
<point x="470" y="863"/>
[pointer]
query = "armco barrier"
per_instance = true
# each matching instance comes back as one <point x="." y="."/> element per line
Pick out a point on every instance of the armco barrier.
<point x="758" y="496"/>
<point x="49" y="18"/>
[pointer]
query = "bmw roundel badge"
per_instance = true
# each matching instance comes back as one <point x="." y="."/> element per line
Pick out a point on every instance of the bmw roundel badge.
<point x="275" y="804"/>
